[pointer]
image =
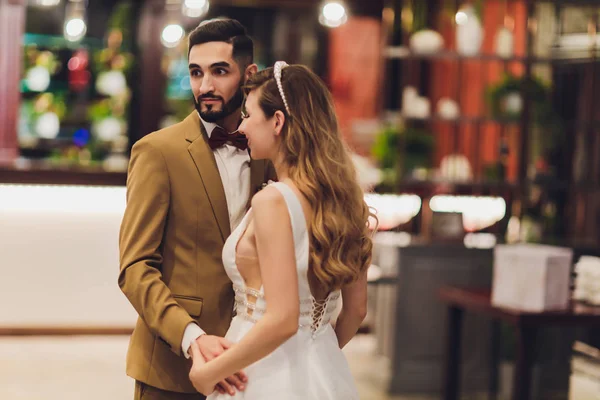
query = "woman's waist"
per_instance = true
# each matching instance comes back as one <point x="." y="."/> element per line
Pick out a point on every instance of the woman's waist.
<point x="306" y="326"/>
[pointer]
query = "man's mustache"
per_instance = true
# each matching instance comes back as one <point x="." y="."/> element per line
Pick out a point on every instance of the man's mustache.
<point x="207" y="97"/>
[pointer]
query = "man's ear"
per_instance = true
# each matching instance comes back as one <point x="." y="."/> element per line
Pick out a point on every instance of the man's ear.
<point x="250" y="70"/>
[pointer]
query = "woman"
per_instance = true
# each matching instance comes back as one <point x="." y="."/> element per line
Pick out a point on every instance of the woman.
<point x="304" y="241"/>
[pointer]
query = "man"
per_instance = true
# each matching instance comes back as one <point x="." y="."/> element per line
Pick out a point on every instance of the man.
<point x="188" y="186"/>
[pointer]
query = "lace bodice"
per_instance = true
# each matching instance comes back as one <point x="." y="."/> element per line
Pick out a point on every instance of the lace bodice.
<point x="250" y="303"/>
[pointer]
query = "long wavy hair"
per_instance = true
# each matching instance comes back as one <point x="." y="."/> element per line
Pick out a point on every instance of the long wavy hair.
<point x="319" y="164"/>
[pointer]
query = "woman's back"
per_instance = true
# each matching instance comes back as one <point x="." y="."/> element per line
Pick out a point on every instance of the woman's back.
<point x="246" y="251"/>
<point x="310" y="365"/>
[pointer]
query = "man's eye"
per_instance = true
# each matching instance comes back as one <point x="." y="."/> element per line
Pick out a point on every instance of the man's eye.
<point x="221" y="71"/>
<point x="245" y="114"/>
<point x="196" y="73"/>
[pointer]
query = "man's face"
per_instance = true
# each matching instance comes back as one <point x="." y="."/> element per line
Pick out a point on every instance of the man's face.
<point x="216" y="80"/>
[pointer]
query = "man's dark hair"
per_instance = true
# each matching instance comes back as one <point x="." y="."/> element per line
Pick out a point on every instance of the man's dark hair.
<point x="225" y="30"/>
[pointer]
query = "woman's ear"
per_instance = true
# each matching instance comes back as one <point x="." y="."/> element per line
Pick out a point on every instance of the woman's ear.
<point x="279" y="118"/>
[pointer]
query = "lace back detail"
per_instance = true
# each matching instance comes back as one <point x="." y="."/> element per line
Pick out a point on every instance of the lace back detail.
<point x="322" y="311"/>
<point x="319" y="308"/>
<point x="316" y="314"/>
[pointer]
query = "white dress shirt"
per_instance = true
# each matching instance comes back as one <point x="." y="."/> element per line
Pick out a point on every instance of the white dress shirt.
<point x="234" y="168"/>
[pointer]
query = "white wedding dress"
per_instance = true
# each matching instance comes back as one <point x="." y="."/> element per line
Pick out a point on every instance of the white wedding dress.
<point x="310" y="365"/>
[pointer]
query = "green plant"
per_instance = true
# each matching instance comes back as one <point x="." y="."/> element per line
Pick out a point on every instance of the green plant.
<point x="419" y="12"/>
<point x="399" y="150"/>
<point x="418" y="146"/>
<point x="537" y="92"/>
<point x="33" y="57"/>
<point x="478" y="6"/>
<point x="385" y="148"/>
<point x="113" y="63"/>
<point x="120" y="20"/>
<point x="539" y="95"/>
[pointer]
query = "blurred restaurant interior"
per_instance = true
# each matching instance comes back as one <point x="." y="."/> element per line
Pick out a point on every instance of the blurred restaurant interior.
<point x="474" y="126"/>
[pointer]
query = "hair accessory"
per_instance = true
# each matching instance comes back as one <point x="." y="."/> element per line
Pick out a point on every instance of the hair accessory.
<point x="279" y="66"/>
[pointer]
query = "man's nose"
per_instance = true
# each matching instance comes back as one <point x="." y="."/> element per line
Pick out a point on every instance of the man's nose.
<point x="207" y="85"/>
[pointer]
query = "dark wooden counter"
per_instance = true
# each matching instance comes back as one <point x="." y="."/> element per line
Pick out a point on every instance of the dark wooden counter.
<point x="61" y="176"/>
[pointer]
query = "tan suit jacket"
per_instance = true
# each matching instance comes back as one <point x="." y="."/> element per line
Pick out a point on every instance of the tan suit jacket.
<point x="172" y="235"/>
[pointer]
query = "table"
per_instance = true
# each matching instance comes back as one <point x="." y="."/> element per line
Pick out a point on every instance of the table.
<point x="526" y="325"/>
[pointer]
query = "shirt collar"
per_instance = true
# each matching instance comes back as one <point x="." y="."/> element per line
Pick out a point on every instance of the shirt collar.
<point x="208" y="126"/>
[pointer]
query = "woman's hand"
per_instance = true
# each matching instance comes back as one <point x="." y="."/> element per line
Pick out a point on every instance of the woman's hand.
<point x="200" y="373"/>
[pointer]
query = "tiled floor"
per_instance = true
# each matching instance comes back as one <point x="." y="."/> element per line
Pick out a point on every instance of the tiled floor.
<point x="92" y="368"/>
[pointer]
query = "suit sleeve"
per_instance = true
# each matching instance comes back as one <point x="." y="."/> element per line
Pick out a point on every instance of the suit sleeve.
<point x="140" y="246"/>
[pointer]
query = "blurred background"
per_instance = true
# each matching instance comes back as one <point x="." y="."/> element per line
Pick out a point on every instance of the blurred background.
<point x="474" y="127"/>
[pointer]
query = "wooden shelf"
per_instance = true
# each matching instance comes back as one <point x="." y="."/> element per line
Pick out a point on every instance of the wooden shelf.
<point x="465" y="120"/>
<point x="404" y="53"/>
<point x="491" y="120"/>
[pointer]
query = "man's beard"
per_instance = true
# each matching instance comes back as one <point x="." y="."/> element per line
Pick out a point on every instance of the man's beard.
<point x="227" y="109"/>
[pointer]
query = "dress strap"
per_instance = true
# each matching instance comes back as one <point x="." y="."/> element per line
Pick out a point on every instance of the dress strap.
<point x="295" y="209"/>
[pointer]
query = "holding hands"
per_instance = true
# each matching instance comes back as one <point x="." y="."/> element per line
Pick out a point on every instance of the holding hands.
<point x="203" y="350"/>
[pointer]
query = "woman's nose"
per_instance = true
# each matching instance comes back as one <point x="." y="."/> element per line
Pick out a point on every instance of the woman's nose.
<point x="242" y="127"/>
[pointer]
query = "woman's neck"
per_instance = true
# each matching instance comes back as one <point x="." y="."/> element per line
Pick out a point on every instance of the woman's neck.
<point x="281" y="168"/>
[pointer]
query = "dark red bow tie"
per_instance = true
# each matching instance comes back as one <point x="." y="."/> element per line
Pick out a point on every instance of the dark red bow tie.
<point x="220" y="137"/>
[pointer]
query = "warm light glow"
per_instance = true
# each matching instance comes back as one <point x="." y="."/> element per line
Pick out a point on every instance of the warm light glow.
<point x="461" y="18"/>
<point x="59" y="198"/>
<point x="46" y="3"/>
<point x="334" y="11"/>
<point x="478" y="212"/>
<point x="333" y="14"/>
<point x="393" y="210"/>
<point x="73" y="63"/>
<point x="38" y="79"/>
<point x="75" y="29"/>
<point x="47" y="126"/>
<point x="111" y="83"/>
<point x="108" y="129"/>
<point x="195" y="8"/>
<point x="397" y="239"/>
<point x="171" y="35"/>
<point x="479" y="241"/>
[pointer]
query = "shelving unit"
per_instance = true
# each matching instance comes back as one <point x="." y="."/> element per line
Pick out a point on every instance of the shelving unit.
<point x="570" y="192"/>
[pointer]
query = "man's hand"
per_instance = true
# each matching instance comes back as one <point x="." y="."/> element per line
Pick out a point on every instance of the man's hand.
<point x="210" y="347"/>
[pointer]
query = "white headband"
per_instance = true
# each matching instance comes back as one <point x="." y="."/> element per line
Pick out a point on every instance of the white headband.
<point x="280" y="65"/>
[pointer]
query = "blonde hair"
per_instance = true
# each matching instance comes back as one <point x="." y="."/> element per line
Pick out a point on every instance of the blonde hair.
<point x="320" y="165"/>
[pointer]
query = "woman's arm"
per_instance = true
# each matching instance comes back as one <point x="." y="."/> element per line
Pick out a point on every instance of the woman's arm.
<point x="277" y="259"/>
<point x="354" y="310"/>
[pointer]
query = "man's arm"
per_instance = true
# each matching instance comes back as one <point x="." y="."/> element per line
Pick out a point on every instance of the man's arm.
<point x="140" y="240"/>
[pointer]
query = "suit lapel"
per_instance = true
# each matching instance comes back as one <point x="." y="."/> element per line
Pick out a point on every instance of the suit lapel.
<point x="209" y="173"/>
